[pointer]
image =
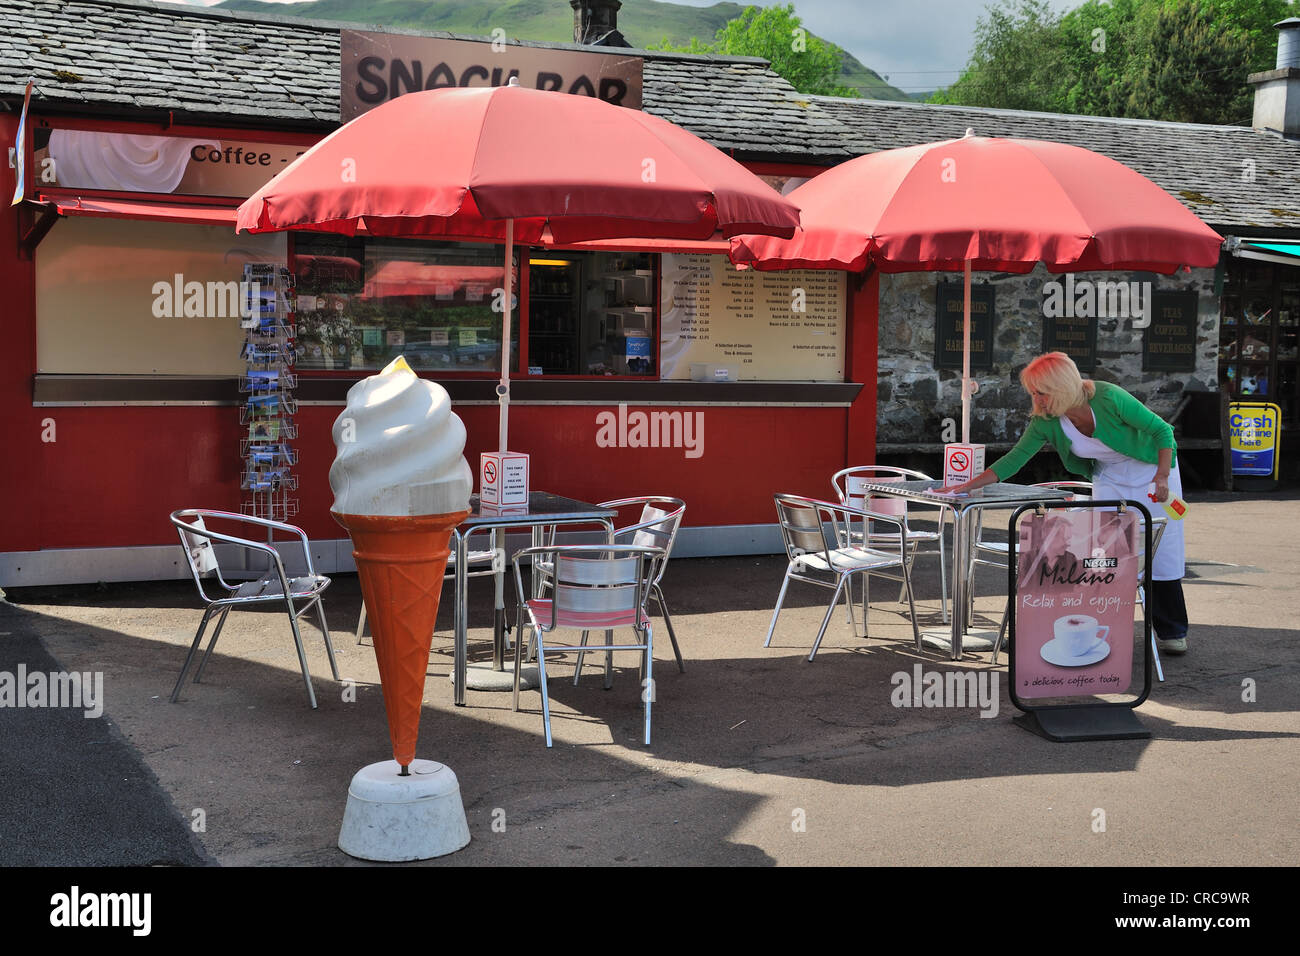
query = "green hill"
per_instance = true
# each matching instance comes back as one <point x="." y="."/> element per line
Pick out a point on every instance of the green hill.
<point x="641" y="21"/>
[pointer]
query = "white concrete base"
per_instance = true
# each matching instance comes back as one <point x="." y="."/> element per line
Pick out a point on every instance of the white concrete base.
<point x="940" y="638"/>
<point x="481" y="676"/>
<point x="391" y="818"/>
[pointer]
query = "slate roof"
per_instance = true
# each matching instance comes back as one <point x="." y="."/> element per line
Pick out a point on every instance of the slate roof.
<point x="1203" y="166"/>
<point x="245" y="69"/>
<point x="237" y="69"/>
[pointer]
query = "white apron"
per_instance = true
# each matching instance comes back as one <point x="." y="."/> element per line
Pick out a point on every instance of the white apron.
<point x="1116" y="475"/>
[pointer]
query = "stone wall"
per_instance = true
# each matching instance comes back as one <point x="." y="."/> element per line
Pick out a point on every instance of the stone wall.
<point x="913" y="398"/>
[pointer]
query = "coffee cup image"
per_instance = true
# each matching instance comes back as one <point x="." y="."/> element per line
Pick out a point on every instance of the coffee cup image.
<point x="1078" y="635"/>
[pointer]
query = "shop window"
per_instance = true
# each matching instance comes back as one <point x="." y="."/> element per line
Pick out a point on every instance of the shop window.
<point x="591" y="314"/>
<point x="363" y="302"/>
<point x="131" y="297"/>
<point x="1259" y="349"/>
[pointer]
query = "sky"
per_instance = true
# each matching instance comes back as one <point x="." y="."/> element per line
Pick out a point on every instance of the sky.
<point x="916" y="45"/>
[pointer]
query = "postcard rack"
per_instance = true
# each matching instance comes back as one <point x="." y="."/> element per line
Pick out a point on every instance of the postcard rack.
<point x="267" y="386"/>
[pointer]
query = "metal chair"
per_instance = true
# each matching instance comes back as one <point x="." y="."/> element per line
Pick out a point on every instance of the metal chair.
<point x="197" y="543"/>
<point x="812" y="552"/>
<point x="848" y="487"/>
<point x="597" y="587"/>
<point x="657" y="527"/>
<point x="1083" y="489"/>
<point x="494" y="559"/>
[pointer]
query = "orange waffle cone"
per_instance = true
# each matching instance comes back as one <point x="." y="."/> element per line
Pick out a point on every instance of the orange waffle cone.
<point x="401" y="561"/>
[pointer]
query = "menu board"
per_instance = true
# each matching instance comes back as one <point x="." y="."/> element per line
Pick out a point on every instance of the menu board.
<point x="1169" y="343"/>
<point x="753" y="326"/>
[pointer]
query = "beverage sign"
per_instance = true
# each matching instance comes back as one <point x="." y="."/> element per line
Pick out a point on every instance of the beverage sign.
<point x="378" y="67"/>
<point x="1253" y="437"/>
<point x="1169" y="342"/>
<point x="949" y="317"/>
<point x="1074" y="602"/>
<point x="177" y="165"/>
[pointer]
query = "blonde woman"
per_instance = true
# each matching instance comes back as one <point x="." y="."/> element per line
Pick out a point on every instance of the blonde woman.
<point x="1107" y="436"/>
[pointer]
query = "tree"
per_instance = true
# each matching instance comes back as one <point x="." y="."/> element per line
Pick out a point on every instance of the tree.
<point x="1016" y="61"/>
<point x="1194" y="70"/>
<point x="776" y="34"/>
<point x="1156" y="59"/>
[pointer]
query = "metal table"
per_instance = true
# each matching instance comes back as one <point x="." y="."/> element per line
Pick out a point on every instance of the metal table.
<point x="998" y="495"/>
<point x="544" y="510"/>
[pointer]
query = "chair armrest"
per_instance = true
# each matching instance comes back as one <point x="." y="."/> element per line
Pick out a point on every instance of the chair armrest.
<point x="268" y="523"/>
<point x="267" y="549"/>
<point x="898" y="521"/>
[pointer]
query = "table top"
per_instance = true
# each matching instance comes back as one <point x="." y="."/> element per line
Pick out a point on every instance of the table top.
<point x="999" y="493"/>
<point x="543" y="508"/>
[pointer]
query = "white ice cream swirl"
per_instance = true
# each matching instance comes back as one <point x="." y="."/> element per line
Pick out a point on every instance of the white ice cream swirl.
<point x="400" y="448"/>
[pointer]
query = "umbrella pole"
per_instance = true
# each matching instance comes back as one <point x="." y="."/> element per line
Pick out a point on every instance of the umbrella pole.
<point x="965" y="359"/>
<point x="503" y="387"/>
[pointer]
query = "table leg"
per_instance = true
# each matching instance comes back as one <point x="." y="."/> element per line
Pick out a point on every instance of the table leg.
<point x="499" y="619"/>
<point x="960" y="566"/>
<point x="461" y="650"/>
<point x="535" y="585"/>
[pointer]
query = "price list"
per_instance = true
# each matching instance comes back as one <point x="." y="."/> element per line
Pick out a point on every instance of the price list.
<point x="768" y="326"/>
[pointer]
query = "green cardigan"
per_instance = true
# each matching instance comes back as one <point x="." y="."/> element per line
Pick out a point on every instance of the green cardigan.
<point x="1123" y="423"/>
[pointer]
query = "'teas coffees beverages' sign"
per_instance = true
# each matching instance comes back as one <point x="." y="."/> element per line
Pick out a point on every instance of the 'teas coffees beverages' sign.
<point x="378" y="67"/>
<point x="1169" y="342"/>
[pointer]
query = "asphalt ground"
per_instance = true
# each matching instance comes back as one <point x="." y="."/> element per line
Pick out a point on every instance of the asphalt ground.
<point x="758" y="757"/>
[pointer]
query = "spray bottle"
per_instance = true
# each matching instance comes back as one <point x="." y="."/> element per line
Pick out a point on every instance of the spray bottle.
<point x="1174" y="507"/>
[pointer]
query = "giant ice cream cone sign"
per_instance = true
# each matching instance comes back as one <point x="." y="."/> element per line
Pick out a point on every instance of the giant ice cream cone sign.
<point x="401" y="486"/>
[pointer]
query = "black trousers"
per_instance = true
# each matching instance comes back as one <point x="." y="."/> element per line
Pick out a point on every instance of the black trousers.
<point x="1168" y="609"/>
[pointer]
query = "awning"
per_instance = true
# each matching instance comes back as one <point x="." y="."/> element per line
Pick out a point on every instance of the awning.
<point x="193" y="213"/>
<point x="1267" y="250"/>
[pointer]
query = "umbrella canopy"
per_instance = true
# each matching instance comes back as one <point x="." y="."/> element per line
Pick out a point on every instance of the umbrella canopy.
<point x="516" y="164"/>
<point x="989" y="204"/>
<point x="460" y="162"/>
<point x="1003" y="205"/>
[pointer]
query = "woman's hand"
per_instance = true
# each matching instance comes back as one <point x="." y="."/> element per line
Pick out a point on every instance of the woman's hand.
<point x="1162" y="487"/>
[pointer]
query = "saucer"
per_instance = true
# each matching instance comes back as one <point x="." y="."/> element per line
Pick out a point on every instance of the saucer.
<point x="1054" y="653"/>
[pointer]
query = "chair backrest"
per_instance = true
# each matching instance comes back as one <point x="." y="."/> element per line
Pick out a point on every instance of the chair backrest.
<point x="848" y="485"/>
<point x="589" y="580"/>
<point x="200" y="554"/>
<point x="801" y="526"/>
<point x="657" y="527"/>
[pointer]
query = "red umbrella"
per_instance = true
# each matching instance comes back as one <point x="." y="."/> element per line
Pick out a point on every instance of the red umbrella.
<point x="513" y="163"/>
<point x="999" y="205"/>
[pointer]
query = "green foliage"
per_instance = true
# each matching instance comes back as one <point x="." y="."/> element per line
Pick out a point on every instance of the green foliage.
<point x="776" y="34"/>
<point x="1182" y="60"/>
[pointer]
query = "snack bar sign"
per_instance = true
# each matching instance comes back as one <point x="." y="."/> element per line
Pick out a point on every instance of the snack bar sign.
<point x="378" y="67"/>
<point x="1074" y="603"/>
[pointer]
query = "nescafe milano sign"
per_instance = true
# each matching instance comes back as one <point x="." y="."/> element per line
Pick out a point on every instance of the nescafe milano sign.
<point x="378" y="67"/>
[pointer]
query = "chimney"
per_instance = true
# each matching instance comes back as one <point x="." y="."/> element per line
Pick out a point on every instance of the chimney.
<point x="595" y="23"/>
<point x="1277" y="91"/>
